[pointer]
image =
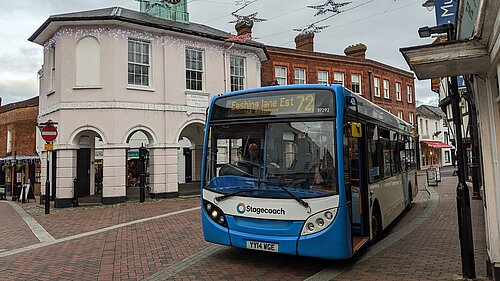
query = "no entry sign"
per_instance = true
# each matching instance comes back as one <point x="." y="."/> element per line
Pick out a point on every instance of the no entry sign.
<point x="49" y="133"/>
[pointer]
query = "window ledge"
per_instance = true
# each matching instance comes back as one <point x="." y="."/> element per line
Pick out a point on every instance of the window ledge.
<point x="86" y="87"/>
<point x="51" y="92"/>
<point x="193" y="92"/>
<point x="139" y="88"/>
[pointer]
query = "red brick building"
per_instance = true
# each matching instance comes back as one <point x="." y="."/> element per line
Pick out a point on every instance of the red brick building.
<point x="389" y="87"/>
<point x="18" y="157"/>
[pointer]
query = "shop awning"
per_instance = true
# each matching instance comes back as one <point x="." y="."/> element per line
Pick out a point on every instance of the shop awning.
<point x="437" y="144"/>
<point x="19" y="158"/>
<point x="447" y="59"/>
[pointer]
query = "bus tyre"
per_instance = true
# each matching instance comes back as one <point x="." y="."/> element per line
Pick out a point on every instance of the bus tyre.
<point x="376" y="225"/>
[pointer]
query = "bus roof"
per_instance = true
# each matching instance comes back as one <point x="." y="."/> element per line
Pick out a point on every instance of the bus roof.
<point x="376" y="112"/>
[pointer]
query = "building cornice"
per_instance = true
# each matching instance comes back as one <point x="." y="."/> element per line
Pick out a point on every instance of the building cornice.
<point x="102" y="105"/>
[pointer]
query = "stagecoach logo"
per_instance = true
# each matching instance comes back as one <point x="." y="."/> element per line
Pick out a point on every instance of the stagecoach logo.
<point x="242" y="208"/>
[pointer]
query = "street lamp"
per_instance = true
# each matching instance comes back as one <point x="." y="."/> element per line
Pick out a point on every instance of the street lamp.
<point x="143" y="155"/>
<point x="463" y="201"/>
<point x="13" y="179"/>
<point x="426" y="31"/>
<point x="429" y="5"/>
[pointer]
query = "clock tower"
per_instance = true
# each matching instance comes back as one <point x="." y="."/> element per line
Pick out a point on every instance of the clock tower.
<point x="175" y="10"/>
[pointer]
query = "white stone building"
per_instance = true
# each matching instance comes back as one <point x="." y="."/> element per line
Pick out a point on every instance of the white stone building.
<point x="435" y="149"/>
<point x="114" y="79"/>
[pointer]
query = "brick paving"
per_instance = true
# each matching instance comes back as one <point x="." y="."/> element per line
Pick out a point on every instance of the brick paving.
<point x="14" y="233"/>
<point x="137" y="251"/>
<point x="65" y="222"/>
<point x="432" y="252"/>
<point x="127" y="253"/>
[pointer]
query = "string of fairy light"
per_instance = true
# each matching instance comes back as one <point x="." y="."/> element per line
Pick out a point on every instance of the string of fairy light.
<point x="327" y="9"/>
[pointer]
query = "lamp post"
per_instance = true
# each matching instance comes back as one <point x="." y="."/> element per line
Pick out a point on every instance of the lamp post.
<point x="13" y="178"/>
<point x="476" y="194"/>
<point x="463" y="201"/>
<point x="142" y="176"/>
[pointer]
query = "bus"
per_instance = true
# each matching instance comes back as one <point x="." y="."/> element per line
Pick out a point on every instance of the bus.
<point x="332" y="171"/>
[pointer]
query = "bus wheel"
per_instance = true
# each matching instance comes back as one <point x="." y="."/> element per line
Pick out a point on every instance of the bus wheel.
<point x="376" y="225"/>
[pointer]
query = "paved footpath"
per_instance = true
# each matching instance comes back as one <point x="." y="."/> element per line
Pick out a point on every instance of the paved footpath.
<point x="162" y="240"/>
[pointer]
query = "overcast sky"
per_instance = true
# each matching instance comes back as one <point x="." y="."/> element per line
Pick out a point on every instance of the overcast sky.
<point x="383" y="26"/>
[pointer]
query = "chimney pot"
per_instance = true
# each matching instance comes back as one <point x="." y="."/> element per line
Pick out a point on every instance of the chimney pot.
<point x="305" y="42"/>
<point x="357" y="51"/>
<point x="244" y="27"/>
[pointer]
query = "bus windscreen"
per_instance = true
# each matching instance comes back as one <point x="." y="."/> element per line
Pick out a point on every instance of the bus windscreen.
<point x="278" y="103"/>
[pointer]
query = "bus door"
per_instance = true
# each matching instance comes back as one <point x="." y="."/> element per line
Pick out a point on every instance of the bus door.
<point x="356" y="187"/>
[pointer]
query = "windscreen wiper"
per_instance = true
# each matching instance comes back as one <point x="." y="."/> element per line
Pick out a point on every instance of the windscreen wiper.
<point x="279" y="184"/>
<point x="225" y="196"/>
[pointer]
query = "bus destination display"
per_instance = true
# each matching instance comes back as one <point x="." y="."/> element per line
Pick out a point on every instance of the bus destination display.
<point x="299" y="103"/>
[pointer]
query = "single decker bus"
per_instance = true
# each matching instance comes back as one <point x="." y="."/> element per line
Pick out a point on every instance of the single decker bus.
<point x="309" y="170"/>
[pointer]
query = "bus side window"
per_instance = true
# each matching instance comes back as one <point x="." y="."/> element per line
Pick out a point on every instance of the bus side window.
<point x="386" y="153"/>
<point x="373" y="152"/>
<point x="396" y="156"/>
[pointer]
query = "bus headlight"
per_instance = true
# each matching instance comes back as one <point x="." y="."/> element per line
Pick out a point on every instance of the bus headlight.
<point x="319" y="221"/>
<point x="215" y="213"/>
<point x="310" y="226"/>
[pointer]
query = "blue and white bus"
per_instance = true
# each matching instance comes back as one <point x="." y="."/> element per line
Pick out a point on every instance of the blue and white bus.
<point x="332" y="170"/>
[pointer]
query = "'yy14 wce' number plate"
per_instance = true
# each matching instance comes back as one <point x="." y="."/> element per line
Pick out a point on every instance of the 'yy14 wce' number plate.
<point x="262" y="246"/>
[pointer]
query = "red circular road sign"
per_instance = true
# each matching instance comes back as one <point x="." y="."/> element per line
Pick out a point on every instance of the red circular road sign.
<point x="49" y="133"/>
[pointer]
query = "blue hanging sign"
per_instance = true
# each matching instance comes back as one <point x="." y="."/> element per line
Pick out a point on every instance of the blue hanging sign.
<point x="461" y="82"/>
<point x="446" y="11"/>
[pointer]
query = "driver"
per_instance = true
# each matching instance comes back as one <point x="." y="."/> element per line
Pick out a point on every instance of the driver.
<point x="253" y="159"/>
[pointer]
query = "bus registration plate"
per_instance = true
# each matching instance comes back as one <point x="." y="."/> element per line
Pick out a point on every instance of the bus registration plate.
<point x="262" y="246"/>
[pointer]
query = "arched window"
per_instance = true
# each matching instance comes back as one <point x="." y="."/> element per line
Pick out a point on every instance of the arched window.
<point x="88" y="62"/>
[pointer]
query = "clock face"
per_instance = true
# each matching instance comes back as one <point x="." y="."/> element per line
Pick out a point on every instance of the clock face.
<point x="174" y="1"/>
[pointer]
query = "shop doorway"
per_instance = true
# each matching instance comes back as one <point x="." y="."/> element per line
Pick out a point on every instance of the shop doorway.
<point x="189" y="158"/>
<point x="82" y="187"/>
<point x="133" y="169"/>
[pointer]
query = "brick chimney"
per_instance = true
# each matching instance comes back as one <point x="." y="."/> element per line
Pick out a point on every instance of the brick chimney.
<point x="244" y="27"/>
<point x="357" y="51"/>
<point x="305" y="42"/>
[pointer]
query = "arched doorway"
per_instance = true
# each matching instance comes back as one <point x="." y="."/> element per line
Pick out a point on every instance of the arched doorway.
<point x="89" y="166"/>
<point x="135" y="140"/>
<point x="189" y="158"/>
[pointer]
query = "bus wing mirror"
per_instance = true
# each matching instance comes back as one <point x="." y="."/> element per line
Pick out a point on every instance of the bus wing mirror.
<point x="351" y="101"/>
